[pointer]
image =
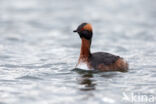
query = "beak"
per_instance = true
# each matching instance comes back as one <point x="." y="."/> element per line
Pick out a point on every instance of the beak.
<point x="75" y="31"/>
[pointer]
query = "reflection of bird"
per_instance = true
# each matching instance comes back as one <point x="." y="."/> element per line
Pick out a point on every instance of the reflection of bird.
<point x="87" y="82"/>
<point x="100" y="60"/>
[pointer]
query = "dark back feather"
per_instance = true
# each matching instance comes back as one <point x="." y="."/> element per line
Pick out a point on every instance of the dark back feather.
<point x="102" y="58"/>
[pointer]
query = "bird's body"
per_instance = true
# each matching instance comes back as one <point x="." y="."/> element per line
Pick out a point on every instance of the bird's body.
<point x="96" y="61"/>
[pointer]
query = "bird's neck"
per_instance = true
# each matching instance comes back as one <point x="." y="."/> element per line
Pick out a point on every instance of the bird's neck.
<point x="85" y="49"/>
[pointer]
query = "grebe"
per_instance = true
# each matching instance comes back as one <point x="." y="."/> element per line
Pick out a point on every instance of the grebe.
<point x="96" y="61"/>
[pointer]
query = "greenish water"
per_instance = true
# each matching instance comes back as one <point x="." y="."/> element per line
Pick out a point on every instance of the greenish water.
<point x="38" y="51"/>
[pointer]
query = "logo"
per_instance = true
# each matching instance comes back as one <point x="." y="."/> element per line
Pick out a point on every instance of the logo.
<point x="138" y="98"/>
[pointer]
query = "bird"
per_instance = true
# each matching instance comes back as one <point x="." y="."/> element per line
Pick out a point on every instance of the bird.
<point x="101" y="61"/>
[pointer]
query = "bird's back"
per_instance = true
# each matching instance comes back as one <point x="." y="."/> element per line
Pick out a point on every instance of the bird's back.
<point x="103" y="58"/>
<point x="104" y="61"/>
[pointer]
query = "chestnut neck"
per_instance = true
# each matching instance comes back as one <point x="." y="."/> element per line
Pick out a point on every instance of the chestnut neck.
<point x="85" y="48"/>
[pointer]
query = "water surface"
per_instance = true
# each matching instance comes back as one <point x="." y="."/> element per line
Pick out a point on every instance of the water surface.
<point x="38" y="51"/>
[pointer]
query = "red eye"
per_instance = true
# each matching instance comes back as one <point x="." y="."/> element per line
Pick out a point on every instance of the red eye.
<point x="82" y="29"/>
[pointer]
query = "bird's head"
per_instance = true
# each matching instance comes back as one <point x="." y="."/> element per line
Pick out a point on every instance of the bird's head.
<point x="85" y="31"/>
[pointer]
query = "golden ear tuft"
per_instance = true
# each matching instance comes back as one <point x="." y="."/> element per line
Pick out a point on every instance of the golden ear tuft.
<point x="88" y="27"/>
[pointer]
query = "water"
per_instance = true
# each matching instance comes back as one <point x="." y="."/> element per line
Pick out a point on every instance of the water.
<point x="38" y="51"/>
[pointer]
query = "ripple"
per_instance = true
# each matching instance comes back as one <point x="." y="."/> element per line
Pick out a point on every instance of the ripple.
<point x="27" y="77"/>
<point x="38" y="50"/>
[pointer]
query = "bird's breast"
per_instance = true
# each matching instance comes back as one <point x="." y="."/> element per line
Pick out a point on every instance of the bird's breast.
<point x="83" y="65"/>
